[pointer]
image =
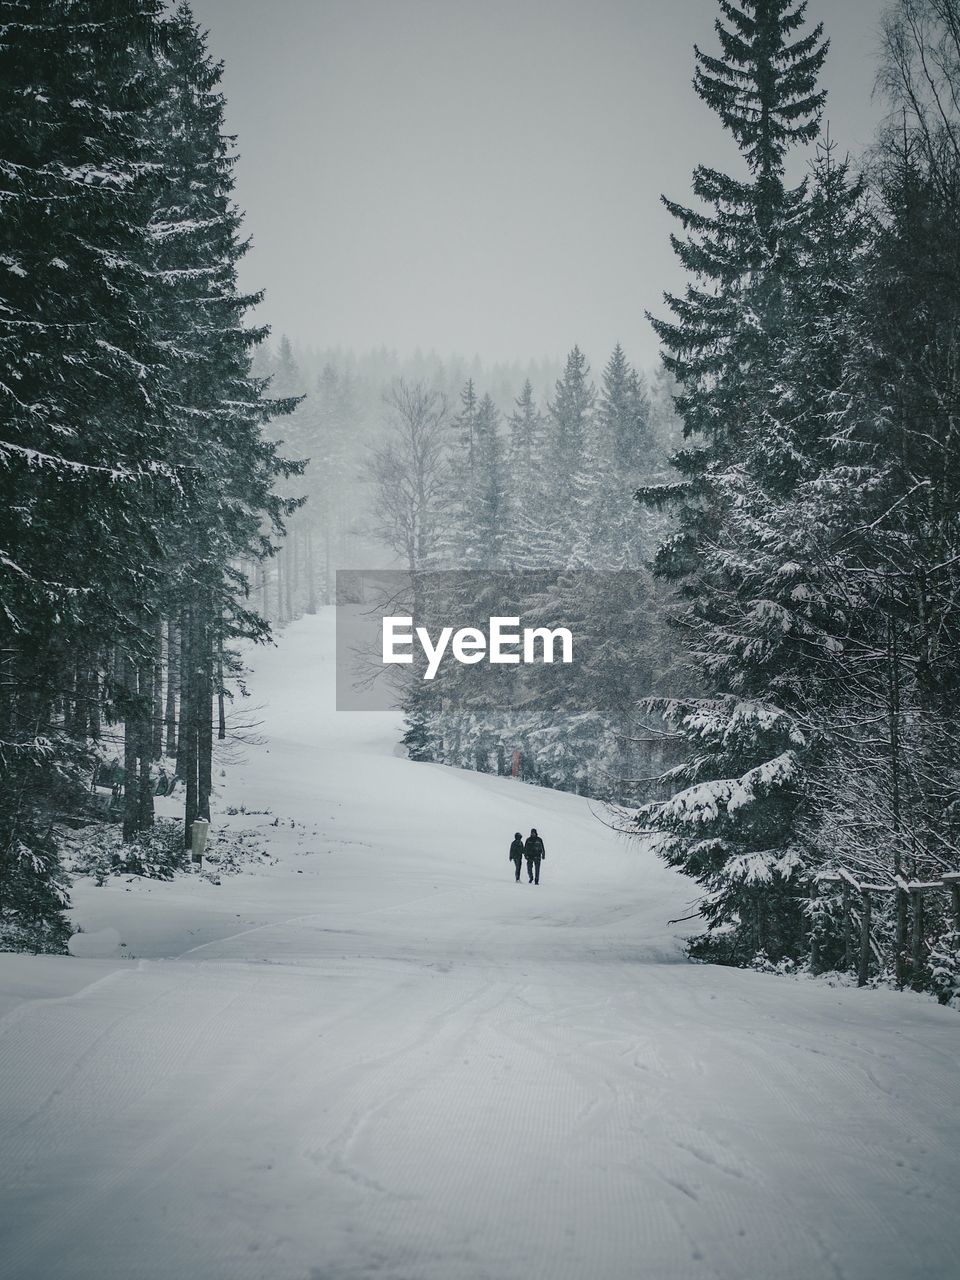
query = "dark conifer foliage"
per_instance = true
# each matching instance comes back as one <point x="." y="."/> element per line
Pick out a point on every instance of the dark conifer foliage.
<point x="197" y="230"/>
<point x="134" y="472"/>
<point x="741" y="250"/>
<point x="817" y="543"/>
<point x="755" y="259"/>
<point x="764" y="86"/>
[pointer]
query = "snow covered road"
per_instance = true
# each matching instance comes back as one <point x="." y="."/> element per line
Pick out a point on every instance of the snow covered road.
<point x="377" y="1056"/>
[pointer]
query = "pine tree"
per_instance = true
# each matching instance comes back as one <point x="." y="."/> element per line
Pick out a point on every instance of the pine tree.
<point x="287" y="379"/>
<point x="887" y="506"/>
<point x="476" y="504"/>
<point x="624" y="411"/>
<point x="134" y="471"/>
<point x="741" y="252"/>
<point x="489" y="497"/>
<point x="526" y="436"/>
<point x="790" y="440"/>
<point x="610" y="533"/>
<point x="456" y="538"/>
<point x="526" y="483"/>
<point x="331" y="423"/>
<point x="569" y="424"/>
<point x="222" y="407"/>
<point x="87" y="489"/>
<point x="748" y="610"/>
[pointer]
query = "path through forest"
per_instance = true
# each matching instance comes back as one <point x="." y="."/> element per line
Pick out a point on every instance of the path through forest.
<point x="377" y="1056"/>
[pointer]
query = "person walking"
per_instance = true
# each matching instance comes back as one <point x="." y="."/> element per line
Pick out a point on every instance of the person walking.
<point x="516" y="854"/>
<point x="534" y="852"/>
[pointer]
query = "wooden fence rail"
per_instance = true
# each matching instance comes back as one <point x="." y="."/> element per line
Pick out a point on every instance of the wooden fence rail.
<point x="912" y="891"/>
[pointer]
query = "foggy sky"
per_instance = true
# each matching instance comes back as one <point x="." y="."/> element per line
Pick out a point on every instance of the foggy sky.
<point x="481" y="176"/>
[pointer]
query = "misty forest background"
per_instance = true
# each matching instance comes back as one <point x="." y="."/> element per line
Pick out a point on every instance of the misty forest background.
<point x="771" y="691"/>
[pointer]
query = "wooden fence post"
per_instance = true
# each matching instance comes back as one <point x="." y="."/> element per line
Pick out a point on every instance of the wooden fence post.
<point x="847" y="928"/>
<point x="918" y="947"/>
<point x="864" y="970"/>
<point x="952" y="882"/>
<point x="900" y="938"/>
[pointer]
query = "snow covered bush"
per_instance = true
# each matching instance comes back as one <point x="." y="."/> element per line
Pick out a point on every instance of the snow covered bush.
<point x="944" y="965"/>
<point x="729" y="824"/>
<point x="46" y="778"/>
<point x="762" y="963"/>
<point x="34" y="899"/>
<point x="156" y="853"/>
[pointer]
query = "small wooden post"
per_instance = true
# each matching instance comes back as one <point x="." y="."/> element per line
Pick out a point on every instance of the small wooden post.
<point x="198" y="840"/>
<point x="864" y="970"/>
<point x="847" y="927"/>
<point x="918" y="947"/>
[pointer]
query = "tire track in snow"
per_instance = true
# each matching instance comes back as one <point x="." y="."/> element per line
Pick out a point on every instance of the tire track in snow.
<point x="473" y="1083"/>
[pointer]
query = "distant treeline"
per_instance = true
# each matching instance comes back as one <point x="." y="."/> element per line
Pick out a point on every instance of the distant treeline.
<point x="405" y="465"/>
<point x="344" y="415"/>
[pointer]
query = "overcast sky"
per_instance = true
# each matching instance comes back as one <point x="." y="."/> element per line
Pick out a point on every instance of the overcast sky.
<point x="481" y="176"/>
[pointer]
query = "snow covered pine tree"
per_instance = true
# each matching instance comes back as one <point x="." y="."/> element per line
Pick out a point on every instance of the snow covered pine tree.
<point x="730" y="822"/>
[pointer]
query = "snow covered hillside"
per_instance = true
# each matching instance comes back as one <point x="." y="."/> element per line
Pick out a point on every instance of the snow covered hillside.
<point x="375" y="1055"/>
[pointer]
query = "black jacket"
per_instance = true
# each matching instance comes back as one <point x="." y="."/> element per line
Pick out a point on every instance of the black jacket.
<point x="533" y="847"/>
<point x="516" y="851"/>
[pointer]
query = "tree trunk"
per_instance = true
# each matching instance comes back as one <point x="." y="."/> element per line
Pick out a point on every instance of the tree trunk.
<point x="893" y="687"/>
<point x="94" y="720"/>
<point x="205" y="738"/>
<point x="187" y="754"/>
<point x="847" y="928"/>
<point x="900" y="937"/>
<point x="327" y="563"/>
<point x="81" y="695"/>
<point x="147" y="682"/>
<point x="221" y="708"/>
<point x="173" y="681"/>
<point x="291" y="574"/>
<point x="204" y="712"/>
<point x="156" y="727"/>
<point x="66" y="698"/>
<point x="131" y="730"/>
<point x="864" y="969"/>
<point x="814" y="931"/>
<point x="919" y="947"/>
<point x="311" y="575"/>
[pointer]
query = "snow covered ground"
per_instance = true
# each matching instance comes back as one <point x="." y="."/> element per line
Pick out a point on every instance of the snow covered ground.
<point x="376" y="1055"/>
